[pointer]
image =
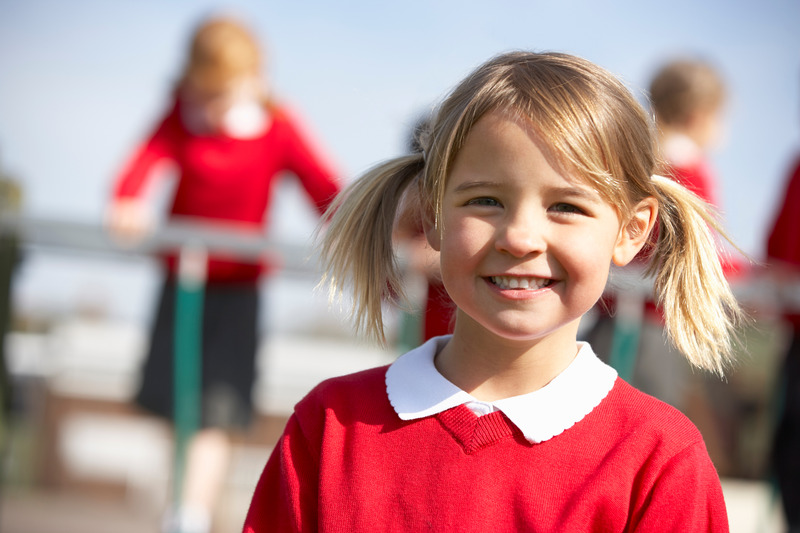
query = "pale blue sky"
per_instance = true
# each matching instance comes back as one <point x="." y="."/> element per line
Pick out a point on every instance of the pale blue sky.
<point x="82" y="81"/>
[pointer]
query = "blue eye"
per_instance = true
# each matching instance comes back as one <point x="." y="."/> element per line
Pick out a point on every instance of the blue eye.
<point x="566" y="208"/>
<point x="490" y="202"/>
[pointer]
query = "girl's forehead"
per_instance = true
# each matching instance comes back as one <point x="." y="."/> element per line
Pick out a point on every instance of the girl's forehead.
<point x="508" y="134"/>
<point x="495" y="121"/>
<point x="570" y="151"/>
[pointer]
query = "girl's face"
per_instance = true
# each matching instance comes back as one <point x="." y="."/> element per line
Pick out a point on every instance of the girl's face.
<point x="525" y="250"/>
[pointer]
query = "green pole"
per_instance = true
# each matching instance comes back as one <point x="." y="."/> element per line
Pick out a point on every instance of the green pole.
<point x="188" y="336"/>
<point x="627" y="331"/>
<point x="410" y="330"/>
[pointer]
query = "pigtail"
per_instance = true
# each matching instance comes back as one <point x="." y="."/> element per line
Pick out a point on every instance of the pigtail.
<point x="700" y="310"/>
<point x="357" y="248"/>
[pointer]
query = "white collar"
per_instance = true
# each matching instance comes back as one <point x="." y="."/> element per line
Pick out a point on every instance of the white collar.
<point x="680" y="150"/>
<point x="416" y="390"/>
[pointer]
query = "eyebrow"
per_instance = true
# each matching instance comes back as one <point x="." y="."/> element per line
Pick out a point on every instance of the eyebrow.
<point x="468" y="186"/>
<point x="578" y="192"/>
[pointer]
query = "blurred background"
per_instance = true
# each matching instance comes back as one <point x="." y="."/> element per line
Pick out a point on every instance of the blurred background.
<point x="82" y="82"/>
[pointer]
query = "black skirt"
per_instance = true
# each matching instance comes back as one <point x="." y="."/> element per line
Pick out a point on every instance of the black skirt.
<point x="229" y="343"/>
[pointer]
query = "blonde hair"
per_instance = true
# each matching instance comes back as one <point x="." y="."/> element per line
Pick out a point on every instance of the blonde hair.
<point x="594" y="129"/>
<point x="683" y="87"/>
<point x="221" y="51"/>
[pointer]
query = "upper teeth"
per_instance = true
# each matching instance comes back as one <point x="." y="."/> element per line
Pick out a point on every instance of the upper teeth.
<point x="514" y="282"/>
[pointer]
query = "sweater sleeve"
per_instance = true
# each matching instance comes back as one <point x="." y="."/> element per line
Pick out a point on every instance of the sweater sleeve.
<point x="685" y="496"/>
<point x="285" y="499"/>
<point x="784" y="238"/>
<point x="306" y="161"/>
<point x="159" y="146"/>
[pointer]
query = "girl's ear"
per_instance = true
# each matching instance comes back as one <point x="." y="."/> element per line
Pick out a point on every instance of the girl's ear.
<point x="634" y="233"/>
<point x="432" y="232"/>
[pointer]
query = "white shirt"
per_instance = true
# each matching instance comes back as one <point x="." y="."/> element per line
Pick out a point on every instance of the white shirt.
<point x="416" y="389"/>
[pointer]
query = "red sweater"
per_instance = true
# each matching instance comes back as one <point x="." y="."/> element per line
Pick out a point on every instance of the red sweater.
<point x="699" y="178"/>
<point x="224" y="178"/>
<point x="346" y="462"/>
<point x="784" y="237"/>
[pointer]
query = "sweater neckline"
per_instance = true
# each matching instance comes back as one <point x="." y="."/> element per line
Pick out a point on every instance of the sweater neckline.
<point x="416" y="389"/>
<point x="473" y="432"/>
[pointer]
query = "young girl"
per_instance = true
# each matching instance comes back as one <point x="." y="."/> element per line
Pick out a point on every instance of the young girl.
<point x="538" y="174"/>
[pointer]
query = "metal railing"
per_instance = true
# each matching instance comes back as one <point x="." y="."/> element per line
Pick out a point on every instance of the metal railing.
<point x="218" y="237"/>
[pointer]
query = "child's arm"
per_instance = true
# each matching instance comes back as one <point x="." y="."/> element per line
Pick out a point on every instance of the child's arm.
<point x="685" y="496"/>
<point x="160" y="145"/>
<point x="306" y="158"/>
<point x="285" y="498"/>
<point x="128" y="217"/>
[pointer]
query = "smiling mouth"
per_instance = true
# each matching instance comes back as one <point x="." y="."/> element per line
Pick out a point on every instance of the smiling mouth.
<point x="521" y="283"/>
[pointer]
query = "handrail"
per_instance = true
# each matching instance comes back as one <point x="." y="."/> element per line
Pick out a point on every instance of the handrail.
<point x="218" y="237"/>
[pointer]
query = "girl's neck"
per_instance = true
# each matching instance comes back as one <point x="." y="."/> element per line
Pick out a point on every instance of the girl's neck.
<point x="492" y="368"/>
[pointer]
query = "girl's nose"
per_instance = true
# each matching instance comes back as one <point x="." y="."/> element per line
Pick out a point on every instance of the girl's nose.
<point x="521" y="236"/>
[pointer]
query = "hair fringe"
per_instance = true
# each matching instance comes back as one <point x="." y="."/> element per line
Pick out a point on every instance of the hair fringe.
<point x="356" y="246"/>
<point x="701" y="312"/>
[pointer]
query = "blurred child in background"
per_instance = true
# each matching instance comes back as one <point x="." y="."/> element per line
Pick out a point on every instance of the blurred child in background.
<point x="437" y="314"/>
<point x="688" y="98"/>
<point x="229" y="138"/>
